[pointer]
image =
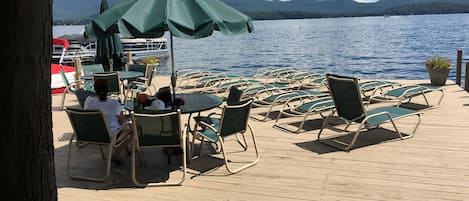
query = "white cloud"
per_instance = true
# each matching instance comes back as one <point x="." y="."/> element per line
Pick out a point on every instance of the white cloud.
<point x="366" y="1"/>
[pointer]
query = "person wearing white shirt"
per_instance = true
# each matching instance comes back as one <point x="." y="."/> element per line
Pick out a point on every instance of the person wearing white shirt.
<point x="113" y="115"/>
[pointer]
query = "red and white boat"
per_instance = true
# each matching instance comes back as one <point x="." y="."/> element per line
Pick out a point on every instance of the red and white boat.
<point x="57" y="83"/>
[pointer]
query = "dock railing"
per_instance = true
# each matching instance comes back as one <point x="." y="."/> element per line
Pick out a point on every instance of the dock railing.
<point x="459" y="71"/>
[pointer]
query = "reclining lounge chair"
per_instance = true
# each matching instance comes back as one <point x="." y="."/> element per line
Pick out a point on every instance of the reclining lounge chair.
<point x="280" y="97"/>
<point x="405" y="94"/>
<point x="349" y="106"/>
<point x="303" y="107"/>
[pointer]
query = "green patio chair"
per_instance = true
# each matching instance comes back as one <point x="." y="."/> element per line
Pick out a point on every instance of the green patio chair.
<point x="141" y="84"/>
<point x="90" y="127"/>
<point x="92" y="68"/>
<point x="81" y="95"/>
<point x="234" y="95"/>
<point x="405" y="94"/>
<point x="136" y="67"/>
<point x="349" y="107"/>
<point x="78" y="87"/>
<point x="233" y="120"/>
<point x="157" y="129"/>
<point x="113" y="81"/>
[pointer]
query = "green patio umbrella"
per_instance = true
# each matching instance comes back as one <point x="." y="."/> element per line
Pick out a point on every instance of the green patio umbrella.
<point x="189" y="19"/>
<point x="108" y="47"/>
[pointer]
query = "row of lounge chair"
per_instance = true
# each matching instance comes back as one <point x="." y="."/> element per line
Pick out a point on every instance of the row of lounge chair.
<point x="286" y="89"/>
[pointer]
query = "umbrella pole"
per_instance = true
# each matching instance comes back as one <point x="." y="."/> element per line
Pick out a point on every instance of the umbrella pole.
<point x="111" y="63"/>
<point x="173" y="72"/>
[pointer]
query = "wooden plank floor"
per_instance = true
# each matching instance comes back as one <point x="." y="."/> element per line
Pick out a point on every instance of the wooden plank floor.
<point x="434" y="165"/>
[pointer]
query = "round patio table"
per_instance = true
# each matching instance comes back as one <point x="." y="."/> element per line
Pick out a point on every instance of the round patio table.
<point x="123" y="75"/>
<point x="198" y="102"/>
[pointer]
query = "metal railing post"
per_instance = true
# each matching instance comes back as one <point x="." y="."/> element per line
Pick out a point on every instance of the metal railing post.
<point x="458" y="67"/>
<point x="466" y="80"/>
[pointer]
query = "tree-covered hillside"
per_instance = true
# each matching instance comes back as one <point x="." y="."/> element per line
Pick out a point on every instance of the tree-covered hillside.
<point x="81" y="11"/>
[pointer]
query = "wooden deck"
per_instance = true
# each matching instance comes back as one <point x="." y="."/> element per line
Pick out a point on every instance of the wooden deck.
<point x="434" y="165"/>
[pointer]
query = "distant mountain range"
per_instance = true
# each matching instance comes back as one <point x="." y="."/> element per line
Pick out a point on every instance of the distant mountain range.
<point x="74" y="10"/>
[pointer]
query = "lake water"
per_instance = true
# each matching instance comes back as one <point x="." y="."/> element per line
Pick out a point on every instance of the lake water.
<point x="368" y="47"/>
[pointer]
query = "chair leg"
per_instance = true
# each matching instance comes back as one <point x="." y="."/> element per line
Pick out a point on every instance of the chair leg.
<point x="63" y="100"/>
<point x="301" y="124"/>
<point x="100" y="179"/>
<point x="243" y="144"/>
<point x="325" y="124"/>
<point x="354" y="139"/>
<point x="102" y="152"/>
<point x="227" y="165"/>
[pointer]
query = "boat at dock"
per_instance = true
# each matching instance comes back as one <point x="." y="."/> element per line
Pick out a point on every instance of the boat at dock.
<point x="85" y="49"/>
<point x="145" y="47"/>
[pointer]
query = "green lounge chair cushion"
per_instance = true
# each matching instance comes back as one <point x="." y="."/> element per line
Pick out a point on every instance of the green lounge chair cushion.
<point x="320" y="104"/>
<point x="395" y="112"/>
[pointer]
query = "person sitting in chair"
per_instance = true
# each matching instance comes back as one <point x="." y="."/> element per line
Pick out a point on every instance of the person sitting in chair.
<point x="113" y="115"/>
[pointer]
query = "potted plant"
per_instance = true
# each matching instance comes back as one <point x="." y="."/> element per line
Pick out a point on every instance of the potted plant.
<point x="149" y="60"/>
<point x="438" y="68"/>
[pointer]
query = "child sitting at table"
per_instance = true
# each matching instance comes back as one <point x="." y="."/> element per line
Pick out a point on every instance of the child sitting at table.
<point x="163" y="99"/>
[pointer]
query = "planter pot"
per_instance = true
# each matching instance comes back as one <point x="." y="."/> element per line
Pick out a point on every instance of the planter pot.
<point x="438" y="76"/>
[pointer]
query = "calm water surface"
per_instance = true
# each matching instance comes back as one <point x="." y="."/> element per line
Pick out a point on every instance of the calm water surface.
<point x="368" y="47"/>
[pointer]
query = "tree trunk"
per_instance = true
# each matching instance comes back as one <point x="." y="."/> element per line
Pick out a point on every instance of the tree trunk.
<point x="26" y="145"/>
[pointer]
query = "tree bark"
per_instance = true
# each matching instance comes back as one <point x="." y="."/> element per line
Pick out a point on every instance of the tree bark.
<point x="26" y="145"/>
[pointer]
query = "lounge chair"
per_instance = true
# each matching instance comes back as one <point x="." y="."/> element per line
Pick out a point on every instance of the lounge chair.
<point x="157" y="129"/>
<point x="237" y="82"/>
<point x="269" y="74"/>
<point x="405" y="94"/>
<point x="373" y="87"/>
<point x="282" y="96"/>
<point x="90" y="127"/>
<point x="313" y="82"/>
<point x="349" y="107"/>
<point x="303" y="107"/>
<point x="296" y="77"/>
<point x="254" y="91"/>
<point x="187" y="77"/>
<point x="233" y="121"/>
<point x="202" y="82"/>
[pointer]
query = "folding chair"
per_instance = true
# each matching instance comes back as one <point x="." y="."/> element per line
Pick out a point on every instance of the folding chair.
<point x="349" y="107"/>
<point x="90" y="127"/>
<point x="157" y="129"/>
